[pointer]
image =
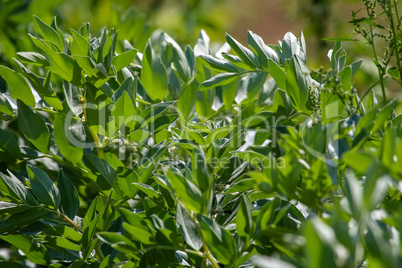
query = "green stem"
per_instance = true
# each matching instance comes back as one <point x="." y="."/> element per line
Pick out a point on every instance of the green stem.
<point x="380" y="73"/>
<point x="391" y="19"/>
<point x="98" y="250"/>
<point x="207" y="253"/>
<point x="71" y="222"/>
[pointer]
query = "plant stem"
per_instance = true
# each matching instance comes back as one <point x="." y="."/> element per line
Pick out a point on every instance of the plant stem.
<point x="380" y="73"/>
<point x="207" y="253"/>
<point x="98" y="250"/>
<point x="72" y="223"/>
<point x="391" y="19"/>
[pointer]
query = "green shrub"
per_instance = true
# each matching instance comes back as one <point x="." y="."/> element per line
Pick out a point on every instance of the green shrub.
<point x="176" y="157"/>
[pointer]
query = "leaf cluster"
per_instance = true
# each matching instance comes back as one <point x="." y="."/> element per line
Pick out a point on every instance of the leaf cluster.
<point x="164" y="156"/>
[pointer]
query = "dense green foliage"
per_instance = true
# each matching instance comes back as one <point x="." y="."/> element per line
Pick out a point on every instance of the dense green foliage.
<point x="115" y="155"/>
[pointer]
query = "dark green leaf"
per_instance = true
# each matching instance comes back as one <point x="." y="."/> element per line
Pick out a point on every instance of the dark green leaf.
<point x="16" y="222"/>
<point x="118" y="242"/>
<point x="43" y="187"/>
<point x="9" y="144"/>
<point x="33" y="127"/>
<point x="70" y="201"/>
<point x="106" y="175"/>
<point x="12" y="188"/>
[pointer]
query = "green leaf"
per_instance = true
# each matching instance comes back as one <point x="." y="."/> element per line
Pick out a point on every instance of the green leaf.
<point x="290" y="45"/>
<point x="33" y="250"/>
<point x="277" y="74"/>
<point x="253" y="83"/>
<point x="393" y="72"/>
<point x="297" y="83"/>
<point x="202" y="46"/>
<point x="355" y="66"/>
<point x="86" y="64"/>
<point x="186" y="102"/>
<point x="70" y="200"/>
<point x="16" y="222"/>
<point x="244" y="223"/>
<point x="229" y="92"/>
<point x="245" y="54"/>
<point x="148" y="190"/>
<point x="236" y="61"/>
<point x="12" y="188"/>
<point x="153" y="75"/>
<point x="106" y="175"/>
<point x="124" y="59"/>
<point x="200" y="170"/>
<point x="320" y="245"/>
<point x="59" y="242"/>
<point x="48" y="33"/>
<point x="41" y="86"/>
<point x="186" y="191"/>
<point x="118" y="242"/>
<point x="263" y="51"/>
<point x="124" y="111"/>
<point x="179" y="59"/>
<point x="12" y="208"/>
<point x="43" y="187"/>
<point x="80" y="45"/>
<point x="5" y="106"/>
<point x="60" y="63"/>
<point x="72" y="96"/>
<point x="33" y="58"/>
<point x="11" y="264"/>
<point x="218" y="80"/>
<point x="372" y="100"/>
<point x="69" y="136"/>
<point x="187" y="228"/>
<point x="220" y="241"/>
<point x="137" y="227"/>
<point x="332" y="107"/>
<point x="383" y="115"/>
<point x="106" y="262"/>
<point x="17" y="86"/>
<point x="33" y="127"/>
<point x="218" y="65"/>
<point x="139" y="136"/>
<point x="9" y="144"/>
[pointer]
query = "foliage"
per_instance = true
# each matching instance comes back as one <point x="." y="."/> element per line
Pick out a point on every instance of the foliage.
<point x="384" y="28"/>
<point x="136" y="20"/>
<point x="163" y="156"/>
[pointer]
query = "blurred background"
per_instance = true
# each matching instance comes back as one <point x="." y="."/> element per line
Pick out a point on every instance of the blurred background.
<point x="183" y="19"/>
